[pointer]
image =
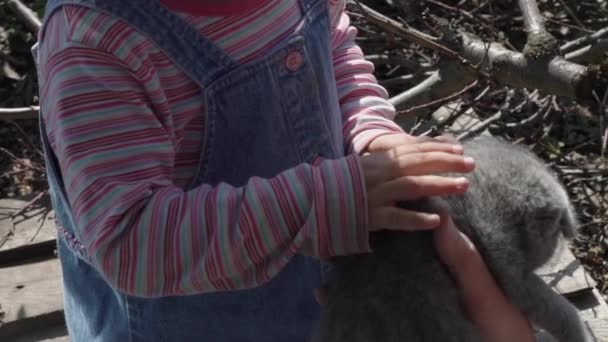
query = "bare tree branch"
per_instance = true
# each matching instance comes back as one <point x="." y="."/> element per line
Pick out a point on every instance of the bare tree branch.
<point x="589" y="39"/>
<point x="590" y="53"/>
<point x="415" y="36"/>
<point x="19" y="113"/>
<point x="26" y="15"/>
<point x="450" y="78"/>
<point x="572" y="14"/>
<point x="538" y="67"/>
<point x="533" y="20"/>
<point x="540" y="44"/>
<point x="557" y="76"/>
<point x="441" y="101"/>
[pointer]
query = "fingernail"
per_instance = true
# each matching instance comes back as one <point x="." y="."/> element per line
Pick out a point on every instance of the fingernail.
<point x="469" y="162"/>
<point x="457" y="149"/>
<point x="454" y="234"/>
<point x="434" y="221"/>
<point x="461" y="183"/>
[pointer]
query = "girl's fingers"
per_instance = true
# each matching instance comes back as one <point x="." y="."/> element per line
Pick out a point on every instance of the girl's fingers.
<point x="427" y="146"/>
<point x="382" y="166"/>
<point x="393" y="218"/>
<point x="411" y="188"/>
<point x="417" y="164"/>
<point x="448" y="139"/>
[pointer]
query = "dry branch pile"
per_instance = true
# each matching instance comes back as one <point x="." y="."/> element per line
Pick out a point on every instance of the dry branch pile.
<point x="533" y="72"/>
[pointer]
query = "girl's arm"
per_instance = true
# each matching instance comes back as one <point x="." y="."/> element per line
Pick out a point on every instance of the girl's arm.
<point x="366" y="111"/>
<point x="146" y="235"/>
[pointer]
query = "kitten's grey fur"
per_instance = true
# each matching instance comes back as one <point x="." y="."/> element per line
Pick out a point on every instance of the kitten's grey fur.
<point x="515" y="211"/>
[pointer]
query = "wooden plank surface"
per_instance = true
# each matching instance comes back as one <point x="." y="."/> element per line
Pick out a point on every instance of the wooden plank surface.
<point x="56" y="333"/>
<point x="33" y="226"/>
<point x="598" y="328"/>
<point x="591" y="305"/>
<point x="566" y="274"/>
<point x="30" y="296"/>
<point x="39" y="302"/>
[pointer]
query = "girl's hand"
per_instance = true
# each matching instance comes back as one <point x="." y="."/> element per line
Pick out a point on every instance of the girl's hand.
<point x="389" y="141"/>
<point x="407" y="172"/>
<point x="487" y="306"/>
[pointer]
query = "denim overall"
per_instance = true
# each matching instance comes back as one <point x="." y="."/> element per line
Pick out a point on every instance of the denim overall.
<point x="260" y="118"/>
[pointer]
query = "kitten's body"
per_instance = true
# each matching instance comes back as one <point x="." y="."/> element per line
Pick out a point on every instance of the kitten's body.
<point x="515" y="212"/>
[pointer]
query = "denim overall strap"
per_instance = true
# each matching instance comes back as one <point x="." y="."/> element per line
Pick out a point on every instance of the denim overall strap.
<point x="63" y="216"/>
<point x="263" y="118"/>
<point x="267" y="116"/>
<point x="260" y="122"/>
<point x="198" y="57"/>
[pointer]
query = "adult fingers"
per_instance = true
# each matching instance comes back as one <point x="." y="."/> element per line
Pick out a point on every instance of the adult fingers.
<point x="321" y="295"/>
<point x="455" y="249"/>
<point x="393" y="218"/>
<point x="488" y="307"/>
<point x="414" y="187"/>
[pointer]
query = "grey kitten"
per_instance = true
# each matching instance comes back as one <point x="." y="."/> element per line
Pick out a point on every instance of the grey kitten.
<point x="515" y="212"/>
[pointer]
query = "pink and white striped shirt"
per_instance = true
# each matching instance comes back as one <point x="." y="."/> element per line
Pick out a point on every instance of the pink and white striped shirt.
<point x="126" y="123"/>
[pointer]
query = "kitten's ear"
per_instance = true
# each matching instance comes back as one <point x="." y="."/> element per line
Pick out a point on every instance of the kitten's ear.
<point x="569" y="224"/>
<point x="561" y="219"/>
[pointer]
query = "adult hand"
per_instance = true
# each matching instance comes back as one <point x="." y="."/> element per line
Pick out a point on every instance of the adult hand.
<point x="497" y="319"/>
<point x="487" y="306"/>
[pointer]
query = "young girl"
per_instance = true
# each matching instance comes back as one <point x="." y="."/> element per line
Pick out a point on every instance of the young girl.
<point x="204" y="155"/>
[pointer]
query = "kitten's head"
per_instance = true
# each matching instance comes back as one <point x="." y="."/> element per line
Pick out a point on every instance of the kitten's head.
<point x="550" y="219"/>
<point x="523" y="197"/>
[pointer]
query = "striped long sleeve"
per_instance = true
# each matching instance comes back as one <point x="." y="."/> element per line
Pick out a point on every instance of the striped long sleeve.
<point x="149" y="237"/>
<point x="126" y="123"/>
<point x="366" y="111"/>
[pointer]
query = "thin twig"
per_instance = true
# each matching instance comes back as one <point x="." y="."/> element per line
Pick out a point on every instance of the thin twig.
<point x="397" y="81"/>
<point x="27" y="137"/>
<point x="25" y="113"/>
<point x="44" y="215"/>
<point x="574" y="27"/>
<point x="481" y="126"/>
<point x="29" y="204"/>
<point x="533" y="20"/>
<point x="21" y="161"/>
<point x="540" y="114"/>
<point x="439" y="101"/>
<point x="589" y="53"/>
<point x="417" y="37"/>
<point x="586" y="40"/>
<point x="483" y="22"/>
<point x="572" y="14"/>
<point x="489" y="121"/>
<point x="26" y="15"/>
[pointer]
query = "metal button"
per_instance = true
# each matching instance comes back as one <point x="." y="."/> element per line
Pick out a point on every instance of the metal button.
<point x="294" y="60"/>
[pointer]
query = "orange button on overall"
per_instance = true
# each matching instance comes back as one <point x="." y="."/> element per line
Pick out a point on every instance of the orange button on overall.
<point x="293" y="60"/>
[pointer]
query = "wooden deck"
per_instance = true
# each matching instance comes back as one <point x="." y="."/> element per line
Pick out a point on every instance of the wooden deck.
<point x="31" y="306"/>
